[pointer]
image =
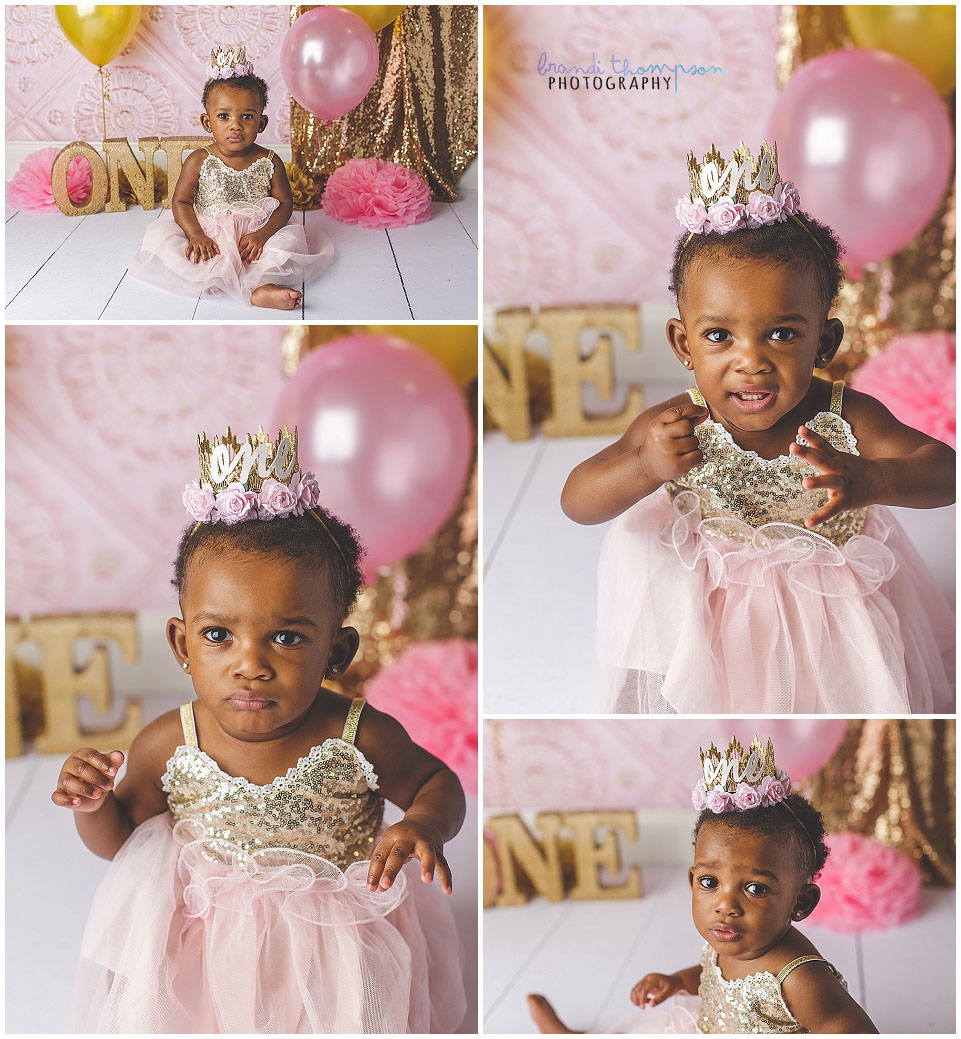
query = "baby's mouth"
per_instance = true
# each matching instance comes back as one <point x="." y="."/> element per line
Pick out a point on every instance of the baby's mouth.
<point x="725" y="934"/>
<point x="749" y="401"/>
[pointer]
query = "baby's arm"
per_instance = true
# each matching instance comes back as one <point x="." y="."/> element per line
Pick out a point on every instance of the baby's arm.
<point x="898" y="465"/>
<point x="820" y="1003"/>
<point x="199" y="246"/>
<point x="425" y="788"/>
<point x="251" y="245"/>
<point x="655" y="988"/>
<point x="659" y="445"/>
<point x="105" y="817"/>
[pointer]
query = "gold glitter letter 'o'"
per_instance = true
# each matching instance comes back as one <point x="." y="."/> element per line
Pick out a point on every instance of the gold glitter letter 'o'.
<point x="58" y="179"/>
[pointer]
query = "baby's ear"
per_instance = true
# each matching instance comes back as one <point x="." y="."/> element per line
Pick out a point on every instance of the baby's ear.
<point x="806" y="902"/>
<point x="205" y="122"/>
<point x="263" y="123"/>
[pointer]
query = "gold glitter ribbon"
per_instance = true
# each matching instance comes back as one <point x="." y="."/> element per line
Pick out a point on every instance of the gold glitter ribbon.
<point x="893" y="780"/>
<point x="420" y="112"/>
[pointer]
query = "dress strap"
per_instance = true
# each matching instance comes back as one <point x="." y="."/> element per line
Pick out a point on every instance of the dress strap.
<point x="187" y="724"/>
<point x="787" y="968"/>
<point x="270" y="156"/>
<point x="209" y="150"/>
<point x="695" y="394"/>
<point x="353" y="719"/>
<point x="837" y="393"/>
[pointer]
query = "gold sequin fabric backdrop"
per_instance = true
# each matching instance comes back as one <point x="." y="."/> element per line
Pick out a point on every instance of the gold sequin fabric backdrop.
<point x="430" y="595"/>
<point x="912" y="291"/>
<point x="894" y="781"/>
<point x="421" y="110"/>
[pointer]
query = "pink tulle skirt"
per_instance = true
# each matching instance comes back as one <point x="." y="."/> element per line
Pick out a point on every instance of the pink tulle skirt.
<point x="285" y="943"/>
<point x="286" y="261"/>
<point x="714" y="616"/>
<point x="678" y="1016"/>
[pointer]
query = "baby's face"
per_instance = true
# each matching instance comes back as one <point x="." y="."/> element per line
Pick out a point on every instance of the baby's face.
<point x="259" y="632"/>
<point x="753" y="332"/>
<point x="744" y="888"/>
<point x="234" y="116"/>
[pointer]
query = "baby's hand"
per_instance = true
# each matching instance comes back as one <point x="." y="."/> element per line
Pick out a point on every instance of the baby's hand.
<point x="851" y="480"/>
<point x="670" y="448"/>
<point x="86" y="778"/>
<point x="655" y="988"/>
<point x="251" y="246"/>
<point x="410" y="838"/>
<point x="200" y="247"/>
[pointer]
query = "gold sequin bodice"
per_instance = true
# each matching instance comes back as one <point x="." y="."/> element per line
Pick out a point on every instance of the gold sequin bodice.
<point x="732" y="482"/>
<point x="326" y="804"/>
<point x="222" y="188"/>
<point x="751" y="1005"/>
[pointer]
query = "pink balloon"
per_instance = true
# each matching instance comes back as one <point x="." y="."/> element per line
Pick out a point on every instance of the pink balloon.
<point x="385" y="430"/>
<point x="868" y="143"/>
<point x="329" y="61"/>
<point x="801" y="745"/>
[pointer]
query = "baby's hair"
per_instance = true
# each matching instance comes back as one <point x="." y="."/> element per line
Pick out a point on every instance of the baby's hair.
<point x="252" y="83"/>
<point x="293" y="537"/>
<point x="782" y="243"/>
<point x="777" y="821"/>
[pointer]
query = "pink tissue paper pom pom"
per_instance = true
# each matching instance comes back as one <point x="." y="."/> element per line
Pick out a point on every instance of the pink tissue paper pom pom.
<point x="431" y="689"/>
<point x="866" y="886"/>
<point x="914" y="378"/>
<point x="30" y="189"/>
<point x="376" y="194"/>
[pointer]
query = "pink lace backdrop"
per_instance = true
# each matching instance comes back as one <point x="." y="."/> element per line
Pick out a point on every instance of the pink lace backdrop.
<point x="53" y="93"/>
<point x="580" y="186"/>
<point x="630" y="764"/>
<point x="101" y="426"/>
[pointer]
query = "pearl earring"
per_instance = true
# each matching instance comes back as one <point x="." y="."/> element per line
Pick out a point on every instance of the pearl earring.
<point x="185" y="666"/>
<point x="687" y="363"/>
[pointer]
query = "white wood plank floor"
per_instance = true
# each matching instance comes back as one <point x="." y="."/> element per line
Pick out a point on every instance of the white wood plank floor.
<point x="585" y="956"/>
<point x="61" y="268"/>
<point x="540" y="576"/>
<point x="51" y="879"/>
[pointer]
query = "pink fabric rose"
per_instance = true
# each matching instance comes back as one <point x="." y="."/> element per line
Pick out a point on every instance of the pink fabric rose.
<point x="692" y="215"/>
<point x="746" y="796"/>
<point x="199" y="501"/>
<point x="771" y="791"/>
<point x="784" y="780"/>
<point x="763" y="209"/>
<point x="307" y="491"/>
<point x="376" y="194"/>
<point x="787" y="195"/>
<point x="235" y="504"/>
<point x="30" y="188"/>
<point x="698" y="798"/>
<point x="718" y="800"/>
<point x="866" y="886"/>
<point x="726" y="215"/>
<point x="431" y="689"/>
<point x="276" y="499"/>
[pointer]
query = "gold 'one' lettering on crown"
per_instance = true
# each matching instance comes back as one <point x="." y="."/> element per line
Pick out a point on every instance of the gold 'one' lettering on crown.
<point x="735" y="765"/>
<point x="714" y="177"/>
<point x="228" y="57"/>
<point x="250" y="461"/>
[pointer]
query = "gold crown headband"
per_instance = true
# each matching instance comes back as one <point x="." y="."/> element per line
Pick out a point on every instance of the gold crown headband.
<point x="738" y="780"/>
<point x="229" y="63"/>
<point x="742" y="192"/>
<point x="252" y="479"/>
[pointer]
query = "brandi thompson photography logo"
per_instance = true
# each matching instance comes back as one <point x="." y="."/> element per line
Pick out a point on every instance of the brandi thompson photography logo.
<point x="619" y="73"/>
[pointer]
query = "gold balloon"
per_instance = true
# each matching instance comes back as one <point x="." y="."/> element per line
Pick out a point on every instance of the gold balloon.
<point x="455" y="346"/>
<point x="923" y="36"/>
<point x="375" y="15"/>
<point x="99" y="31"/>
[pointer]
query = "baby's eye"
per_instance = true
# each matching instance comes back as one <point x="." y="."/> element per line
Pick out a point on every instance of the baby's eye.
<point x="784" y="335"/>
<point x="708" y="883"/>
<point x="222" y="115"/>
<point x="756" y="889"/>
<point x="717" y="335"/>
<point x="216" y="635"/>
<point x="288" y="638"/>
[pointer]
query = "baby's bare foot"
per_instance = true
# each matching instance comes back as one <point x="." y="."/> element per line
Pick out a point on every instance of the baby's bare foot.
<point x="545" y="1017"/>
<point x="276" y="297"/>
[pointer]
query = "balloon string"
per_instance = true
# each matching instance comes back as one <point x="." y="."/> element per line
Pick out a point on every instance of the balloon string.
<point x="104" y="95"/>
